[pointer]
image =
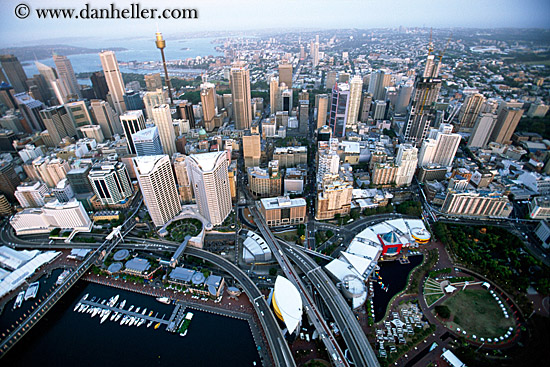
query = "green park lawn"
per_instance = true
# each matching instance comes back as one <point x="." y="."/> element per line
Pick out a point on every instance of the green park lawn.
<point x="477" y="312"/>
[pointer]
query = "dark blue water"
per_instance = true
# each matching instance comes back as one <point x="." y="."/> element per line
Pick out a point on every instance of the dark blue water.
<point x="394" y="276"/>
<point x="68" y="338"/>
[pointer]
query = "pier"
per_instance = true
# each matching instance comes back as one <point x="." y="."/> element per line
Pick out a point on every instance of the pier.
<point x="176" y="318"/>
<point x="125" y="312"/>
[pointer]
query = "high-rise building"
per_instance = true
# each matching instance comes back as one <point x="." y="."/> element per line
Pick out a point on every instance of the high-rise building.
<point x="285" y="73"/>
<point x="78" y="179"/>
<point x="110" y="182"/>
<point x="356" y="86"/>
<point x="113" y="77"/>
<point x="107" y="118"/>
<point x="185" y="112"/>
<point x="39" y="88"/>
<point x="365" y="108"/>
<point x="335" y="198"/>
<point x="92" y="132"/>
<point x="99" y="85"/>
<point x="339" y="109"/>
<point x="328" y="162"/>
<point x="153" y="82"/>
<point x="240" y="93"/>
<point x="470" y="110"/>
<point x="208" y="100"/>
<point x="132" y="122"/>
<point x="9" y="179"/>
<point x="321" y="107"/>
<point x="58" y="123"/>
<point x="163" y="120"/>
<point x="315" y="52"/>
<point x="15" y="73"/>
<point x="274" y="93"/>
<point x="65" y="72"/>
<point x="5" y="207"/>
<point x="31" y="194"/>
<point x="79" y="113"/>
<point x="30" y="109"/>
<point x="421" y="108"/>
<point x="378" y="82"/>
<point x="379" y="110"/>
<point x="440" y="148"/>
<point x="303" y="115"/>
<point x="506" y="124"/>
<point x="152" y="99"/>
<point x="479" y="204"/>
<point x="158" y="186"/>
<point x="147" y="142"/>
<point x="185" y="189"/>
<point x="265" y="182"/>
<point x="7" y="96"/>
<point x="133" y="100"/>
<point x="330" y="81"/>
<point x="406" y="161"/>
<point x="282" y="210"/>
<point x="209" y="176"/>
<point x="481" y="132"/>
<point x="403" y="98"/>
<point x="3" y="79"/>
<point x="252" y="150"/>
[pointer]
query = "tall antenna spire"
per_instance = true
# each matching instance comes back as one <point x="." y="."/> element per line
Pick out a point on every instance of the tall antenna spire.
<point x="161" y="44"/>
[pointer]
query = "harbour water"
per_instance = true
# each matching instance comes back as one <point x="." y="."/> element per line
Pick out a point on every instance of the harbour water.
<point x="67" y="338"/>
<point x="137" y="49"/>
<point x="394" y="276"/>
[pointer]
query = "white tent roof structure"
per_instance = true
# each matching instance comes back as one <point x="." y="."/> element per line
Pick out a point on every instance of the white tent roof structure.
<point x="288" y="301"/>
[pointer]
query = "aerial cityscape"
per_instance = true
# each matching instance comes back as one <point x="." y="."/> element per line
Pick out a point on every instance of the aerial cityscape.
<point x="302" y="190"/>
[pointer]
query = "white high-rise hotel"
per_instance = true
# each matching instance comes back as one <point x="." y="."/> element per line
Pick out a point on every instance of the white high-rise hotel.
<point x="163" y="120"/>
<point x="406" y="161"/>
<point x="158" y="186"/>
<point x="210" y="180"/>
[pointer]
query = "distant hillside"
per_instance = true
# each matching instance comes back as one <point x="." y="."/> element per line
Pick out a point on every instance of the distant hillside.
<point x="29" y="53"/>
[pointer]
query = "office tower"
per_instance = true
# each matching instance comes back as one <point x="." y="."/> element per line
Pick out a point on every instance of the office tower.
<point x="321" y="106"/>
<point x="107" y="118"/>
<point x="315" y="52"/>
<point x="65" y="72"/>
<point x="161" y="45"/>
<point x="30" y="109"/>
<point x="58" y="122"/>
<point x="240" y="93"/>
<point x="303" y="113"/>
<point x="113" y="77"/>
<point x="285" y="100"/>
<point x="507" y="121"/>
<point x="210" y="179"/>
<point x="63" y="192"/>
<point x="5" y="207"/>
<point x="406" y="161"/>
<point x="335" y="198"/>
<point x="9" y="179"/>
<point x="421" y="108"/>
<point x="470" y="110"/>
<point x="185" y="112"/>
<point x="133" y="101"/>
<point x="208" y="100"/>
<point x="365" y="108"/>
<point x="471" y="203"/>
<point x="328" y="162"/>
<point x="403" y="98"/>
<point x="339" y="109"/>
<point x="330" y="81"/>
<point x="6" y="140"/>
<point x="31" y="194"/>
<point x="285" y="73"/>
<point x="379" y="110"/>
<point x="482" y="130"/>
<point x="343" y="77"/>
<point x="440" y="148"/>
<point x="78" y="179"/>
<point x="93" y="132"/>
<point x="132" y="122"/>
<point x="147" y="142"/>
<point x="99" y="85"/>
<point x="3" y="79"/>
<point x="356" y="86"/>
<point x="12" y="122"/>
<point x="158" y="186"/>
<point x="273" y="94"/>
<point x="79" y="113"/>
<point x="163" y="120"/>
<point x="110" y="182"/>
<point x="252" y="150"/>
<point x="40" y="88"/>
<point x="15" y="73"/>
<point x="378" y="82"/>
<point x="185" y="189"/>
<point x="7" y="96"/>
<point x="152" y="99"/>
<point x="153" y="82"/>
<point x="303" y="95"/>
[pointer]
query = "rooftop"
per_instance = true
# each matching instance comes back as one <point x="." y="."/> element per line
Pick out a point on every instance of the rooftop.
<point x="282" y="202"/>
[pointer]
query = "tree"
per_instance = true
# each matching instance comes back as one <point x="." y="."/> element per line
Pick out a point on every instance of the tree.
<point x="443" y="311"/>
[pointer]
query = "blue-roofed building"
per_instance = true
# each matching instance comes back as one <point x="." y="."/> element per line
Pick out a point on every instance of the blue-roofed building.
<point x="137" y="266"/>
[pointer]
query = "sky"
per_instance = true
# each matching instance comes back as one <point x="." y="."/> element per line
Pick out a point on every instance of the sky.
<point x="235" y="15"/>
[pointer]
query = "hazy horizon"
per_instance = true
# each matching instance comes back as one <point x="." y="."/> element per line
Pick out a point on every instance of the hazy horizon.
<point x="241" y="15"/>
